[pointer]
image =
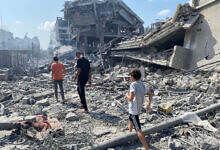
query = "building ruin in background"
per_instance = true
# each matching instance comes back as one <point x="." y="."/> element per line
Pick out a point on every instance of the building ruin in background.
<point x="188" y="40"/>
<point x="62" y="32"/>
<point x="17" y="54"/>
<point x="94" y="23"/>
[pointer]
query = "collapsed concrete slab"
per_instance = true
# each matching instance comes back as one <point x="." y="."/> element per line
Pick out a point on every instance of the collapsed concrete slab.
<point x="192" y="35"/>
<point x="181" y="58"/>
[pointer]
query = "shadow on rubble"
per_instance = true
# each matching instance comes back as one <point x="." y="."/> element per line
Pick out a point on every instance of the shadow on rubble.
<point x="16" y="138"/>
<point x="108" y="118"/>
<point x="72" y="105"/>
<point x="135" y="146"/>
<point x="152" y="141"/>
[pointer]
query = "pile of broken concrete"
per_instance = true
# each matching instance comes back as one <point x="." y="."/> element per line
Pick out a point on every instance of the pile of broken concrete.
<point x="176" y="93"/>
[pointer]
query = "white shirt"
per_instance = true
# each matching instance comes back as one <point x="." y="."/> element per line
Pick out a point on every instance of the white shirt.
<point x="139" y="89"/>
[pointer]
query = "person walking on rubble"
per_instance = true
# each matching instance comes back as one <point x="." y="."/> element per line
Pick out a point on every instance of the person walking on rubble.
<point x="83" y="76"/>
<point x="58" y="73"/>
<point x="136" y="98"/>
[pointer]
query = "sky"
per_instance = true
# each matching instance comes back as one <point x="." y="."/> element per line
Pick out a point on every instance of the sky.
<point x="37" y="17"/>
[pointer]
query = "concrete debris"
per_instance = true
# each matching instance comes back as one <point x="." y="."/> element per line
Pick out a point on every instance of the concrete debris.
<point x="165" y="107"/>
<point x="43" y="102"/>
<point x="2" y="109"/>
<point x="89" y="25"/>
<point x="72" y="117"/>
<point x="111" y="36"/>
<point x="171" y="43"/>
<point x="193" y="118"/>
<point x="108" y="108"/>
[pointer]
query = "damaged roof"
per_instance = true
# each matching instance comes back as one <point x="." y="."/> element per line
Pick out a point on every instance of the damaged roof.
<point x="172" y="32"/>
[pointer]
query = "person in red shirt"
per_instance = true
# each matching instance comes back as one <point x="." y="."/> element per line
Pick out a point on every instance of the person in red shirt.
<point x="58" y="73"/>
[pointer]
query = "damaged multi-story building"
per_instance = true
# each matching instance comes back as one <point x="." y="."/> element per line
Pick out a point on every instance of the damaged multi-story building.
<point x="62" y="31"/>
<point x="188" y="40"/>
<point x="95" y="22"/>
<point x="16" y="53"/>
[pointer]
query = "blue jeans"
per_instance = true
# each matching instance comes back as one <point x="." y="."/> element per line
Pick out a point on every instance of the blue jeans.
<point x="60" y="82"/>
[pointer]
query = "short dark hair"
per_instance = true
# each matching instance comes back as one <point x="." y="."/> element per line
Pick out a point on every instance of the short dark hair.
<point x="55" y="58"/>
<point x="136" y="73"/>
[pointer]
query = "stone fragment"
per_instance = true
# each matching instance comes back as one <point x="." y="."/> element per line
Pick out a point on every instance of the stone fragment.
<point x="31" y="91"/>
<point x="167" y="81"/>
<point x="153" y="117"/>
<point x="142" y="121"/>
<point x="27" y="100"/>
<point x="100" y="131"/>
<point x="72" y="117"/>
<point x="159" y="72"/>
<point x="204" y="87"/>
<point x="217" y="89"/>
<point x="2" y="109"/>
<point x="43" y="95"/>
<point x="11" y="119"/>
<point x="43" y="102"/>
<point x="86" y="148"/>
<point x="217" y="96"/>
<point x="165" y="107"/>
<point x="29" y="118"/>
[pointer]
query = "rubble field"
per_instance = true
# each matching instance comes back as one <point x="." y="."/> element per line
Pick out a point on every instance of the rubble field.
<point x="175" y="93"/>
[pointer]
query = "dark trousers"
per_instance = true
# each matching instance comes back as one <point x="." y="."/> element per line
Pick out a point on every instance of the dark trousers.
<point x="60" y="83"/>
<point x="81" y="91"/>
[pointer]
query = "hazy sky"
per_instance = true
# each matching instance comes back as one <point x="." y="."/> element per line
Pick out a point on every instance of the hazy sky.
<point x="37" y="17"/>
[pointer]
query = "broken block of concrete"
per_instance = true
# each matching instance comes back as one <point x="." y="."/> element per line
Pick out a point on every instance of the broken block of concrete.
<point x="100" y="131"/>
<point x="72" y="117"/>
<point x="43" y="95"/>
<point x="181" y="58"/>
<point x="4" y="73"/>
<point x="217" y="90"/>
<point x="204" y="87"/>
<point x="44" y="102"/>
<point x="6" y="98"/>
<point x="165" y="107"/>
<point x="28" y="101"/>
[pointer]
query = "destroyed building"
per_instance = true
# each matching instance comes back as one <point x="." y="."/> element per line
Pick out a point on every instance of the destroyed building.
<point x="16" y="53"/>
<point x="94" y="23"/>
<point x="62" y="32"/>
<point x="186" y="41"/>
<point x="13" y="60"/>
<point x="9" y="42"/>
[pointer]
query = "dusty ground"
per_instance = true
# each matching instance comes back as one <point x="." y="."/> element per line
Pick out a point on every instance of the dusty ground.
<point x="108" y="116"/>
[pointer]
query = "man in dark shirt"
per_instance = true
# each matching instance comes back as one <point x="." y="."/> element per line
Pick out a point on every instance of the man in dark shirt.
<point x="84" y="75"/>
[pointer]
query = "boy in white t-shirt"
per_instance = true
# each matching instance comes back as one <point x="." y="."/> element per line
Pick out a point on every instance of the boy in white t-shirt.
<point x="136" y="99"/>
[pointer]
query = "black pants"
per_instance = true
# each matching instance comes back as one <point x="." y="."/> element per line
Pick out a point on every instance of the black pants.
<point x="60" y="82"/>
<point x="81" y="91"/>
<point x="135" y="121"/>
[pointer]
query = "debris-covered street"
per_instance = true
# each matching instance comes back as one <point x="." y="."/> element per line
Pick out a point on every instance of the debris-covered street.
<point x="179" y="93"/>
<point x="101" y="54"/>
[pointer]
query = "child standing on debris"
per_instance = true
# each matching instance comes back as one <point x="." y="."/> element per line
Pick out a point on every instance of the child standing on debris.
<point x="136" y="99"/>
<point x="58" y="73"/>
